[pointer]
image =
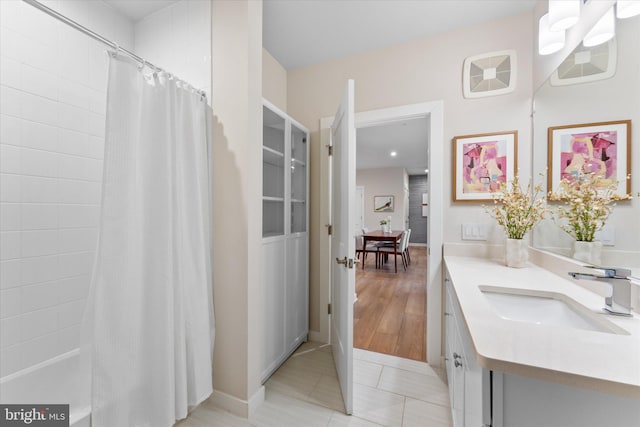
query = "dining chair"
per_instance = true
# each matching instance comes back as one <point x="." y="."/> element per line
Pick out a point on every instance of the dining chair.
<point x="401" y="249"/>
<point x="408" y="252"/>
<point x="371" y="248"/>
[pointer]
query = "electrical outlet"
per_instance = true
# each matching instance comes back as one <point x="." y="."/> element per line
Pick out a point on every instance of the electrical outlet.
<point x="474" y="231"/>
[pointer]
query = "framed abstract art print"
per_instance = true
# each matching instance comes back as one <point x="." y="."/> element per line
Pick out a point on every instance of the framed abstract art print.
<point x="599" y="148"/>
<point x="482" y="163"/>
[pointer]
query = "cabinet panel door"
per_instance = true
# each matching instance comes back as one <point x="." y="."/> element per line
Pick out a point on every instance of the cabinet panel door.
<point x="449" y="340"/>
<point x="273" y="270"/>
<point x="459" y="363"/>
<point x="296" y="293"/>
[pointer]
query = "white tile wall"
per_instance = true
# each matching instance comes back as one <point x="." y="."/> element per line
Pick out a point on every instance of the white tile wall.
<point x="178" y="39"/>
<point x="52" y="112"/>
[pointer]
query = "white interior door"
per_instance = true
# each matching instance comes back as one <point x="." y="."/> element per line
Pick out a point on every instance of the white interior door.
<point x="343" y="279"/>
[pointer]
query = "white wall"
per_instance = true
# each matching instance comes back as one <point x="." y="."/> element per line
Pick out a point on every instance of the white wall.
<point x="383" y="182"/>
<point x="237" y="194"/>
<point x="274" y="81"/>
<point x="53" y="99"/>
<point x="178" y="39"/>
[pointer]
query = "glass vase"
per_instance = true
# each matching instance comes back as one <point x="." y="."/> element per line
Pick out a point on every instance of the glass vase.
<point x="516" y="253"/>
<point x="590" y="252"/>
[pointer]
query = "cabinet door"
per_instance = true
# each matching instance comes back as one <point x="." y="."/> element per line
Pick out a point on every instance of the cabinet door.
<point x="298" y="186"/>
<point x="459" y="363"/>
<point x="273" y="173"/>
<point x="449" y="339"/>
<point x="296" y="294"/>
<point x="273" y="326"/>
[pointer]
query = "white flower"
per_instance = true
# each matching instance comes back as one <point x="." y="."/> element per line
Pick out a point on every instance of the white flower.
<point x="587" y="205"/>
<point x="516" y="210"/>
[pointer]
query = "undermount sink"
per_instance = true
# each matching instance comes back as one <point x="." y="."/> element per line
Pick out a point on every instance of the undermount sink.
<point x="545" y="308"/>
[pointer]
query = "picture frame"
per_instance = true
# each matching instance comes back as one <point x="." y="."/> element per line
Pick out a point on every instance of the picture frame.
<point x="601" y="147"/>
<point x="481" y="163"/>
<point x="383" y="203"/>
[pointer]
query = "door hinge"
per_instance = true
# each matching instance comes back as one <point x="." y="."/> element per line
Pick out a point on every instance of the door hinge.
<point x="330" y="149"/>
<point x="329" y="308"/>
<point x="329" y="229"/>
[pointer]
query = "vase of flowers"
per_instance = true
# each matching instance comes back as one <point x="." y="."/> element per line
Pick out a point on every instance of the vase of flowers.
<point x="587" y="203"/>
<point x="590" y="252"/>
<point x="517" y="211"/>
<point x="516" y="253"/>
<point x="385" y="224"/>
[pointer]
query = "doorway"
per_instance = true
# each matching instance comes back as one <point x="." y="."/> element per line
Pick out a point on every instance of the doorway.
<point x="434" y="113"/>
<point x="390" y="310"/>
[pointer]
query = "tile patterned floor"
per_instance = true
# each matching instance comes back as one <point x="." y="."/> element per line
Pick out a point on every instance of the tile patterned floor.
<point x="388" y="391"/>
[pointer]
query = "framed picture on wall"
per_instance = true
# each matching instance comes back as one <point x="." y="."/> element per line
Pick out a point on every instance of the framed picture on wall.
<point x="601" y="148"/>
<point x="481" y="163"/>
<point x="383" y="203"/>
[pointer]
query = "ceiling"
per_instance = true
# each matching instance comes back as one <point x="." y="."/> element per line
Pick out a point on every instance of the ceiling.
<point x="408" y="138"/>
<point x="135" y="10"/>
<point x="305" y="32"/>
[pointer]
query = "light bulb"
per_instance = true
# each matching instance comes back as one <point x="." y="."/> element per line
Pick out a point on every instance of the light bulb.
<point x="627" y="8"/>
<point x="548" y="41"/>
<point x="603" y="31"/>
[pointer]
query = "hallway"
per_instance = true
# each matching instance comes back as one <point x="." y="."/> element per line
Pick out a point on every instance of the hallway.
<point x="390" y="313"/>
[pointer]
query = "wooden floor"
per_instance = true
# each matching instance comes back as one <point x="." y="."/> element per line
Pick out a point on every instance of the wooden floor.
<point x="390" y="314"/>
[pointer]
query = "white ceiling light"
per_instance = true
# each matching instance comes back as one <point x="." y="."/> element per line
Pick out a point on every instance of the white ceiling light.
<point x="393" y="153"/>
<point x="627" y="8"/>
<point x="563" y="14"/>
<point x="603" y="31"/>
<point x="548" y="41"/>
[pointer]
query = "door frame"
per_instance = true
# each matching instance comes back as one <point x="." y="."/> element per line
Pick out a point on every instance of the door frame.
<point x="434" y="112"/>
<point x="360" y="206"/>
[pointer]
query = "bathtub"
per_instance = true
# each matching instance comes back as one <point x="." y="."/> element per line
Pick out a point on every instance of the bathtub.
<point x="54" y="381"/>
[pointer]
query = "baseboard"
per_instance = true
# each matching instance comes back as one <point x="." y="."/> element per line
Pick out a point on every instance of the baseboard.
<point x="239" y="407"/>
<point x="422" y="245"/>
<point x="256" y="400"/>
<point x="316" y="336"/>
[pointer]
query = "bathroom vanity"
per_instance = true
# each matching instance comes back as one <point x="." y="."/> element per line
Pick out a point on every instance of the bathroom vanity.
<point x="526" y="347"/>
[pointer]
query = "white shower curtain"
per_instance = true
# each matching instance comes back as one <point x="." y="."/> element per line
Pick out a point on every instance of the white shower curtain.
<point x="150" y="310"/>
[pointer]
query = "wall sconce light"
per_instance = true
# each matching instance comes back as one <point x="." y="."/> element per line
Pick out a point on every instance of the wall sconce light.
<point x="563" y="14"/>
<point x="627" y="8"/>
<point x="603" y="31"/>
<point x="548" y="41"/>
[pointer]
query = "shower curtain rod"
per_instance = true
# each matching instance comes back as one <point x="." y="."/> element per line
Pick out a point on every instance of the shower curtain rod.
<point x="94" y="35"/>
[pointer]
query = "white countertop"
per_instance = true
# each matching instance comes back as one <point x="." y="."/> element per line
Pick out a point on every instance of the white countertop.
<point x="596" y="360"/>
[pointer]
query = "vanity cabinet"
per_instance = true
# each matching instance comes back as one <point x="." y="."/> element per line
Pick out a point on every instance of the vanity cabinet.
<point x="469" y="384"/>
<point x="482" y="397"/>
<point x="285" y="241"/>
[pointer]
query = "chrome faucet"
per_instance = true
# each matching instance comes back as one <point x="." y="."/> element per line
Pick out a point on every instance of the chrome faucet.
<point x="618" y="298"/>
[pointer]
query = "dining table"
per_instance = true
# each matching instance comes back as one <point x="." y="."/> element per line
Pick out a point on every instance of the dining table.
<point x="383" y="236"/>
